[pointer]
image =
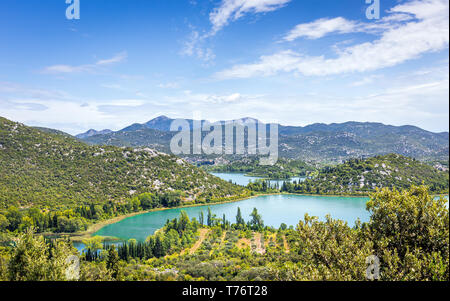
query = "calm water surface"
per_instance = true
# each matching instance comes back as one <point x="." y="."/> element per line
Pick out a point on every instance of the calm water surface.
<point x="275" y="209"/>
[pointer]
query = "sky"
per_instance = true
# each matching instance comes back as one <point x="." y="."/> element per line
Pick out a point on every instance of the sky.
<point x="295" y="62"/>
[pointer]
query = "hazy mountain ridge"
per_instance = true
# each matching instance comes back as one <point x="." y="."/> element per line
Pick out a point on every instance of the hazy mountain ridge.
<point x="316" y="142"/>
<point x="93" y="132"/>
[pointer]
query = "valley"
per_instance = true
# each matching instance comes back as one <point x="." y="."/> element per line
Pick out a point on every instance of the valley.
<point x="130" y="201"/>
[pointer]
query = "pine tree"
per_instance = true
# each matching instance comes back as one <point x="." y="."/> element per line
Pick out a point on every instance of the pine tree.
<point x="112" y="264"/>
<point x="209" y="218"/>
<point x="201" y="217"/>
<point x="239" y="219"/>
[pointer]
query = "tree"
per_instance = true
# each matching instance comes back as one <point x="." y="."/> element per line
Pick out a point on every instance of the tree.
<point x="201" y="217"/>
<point x="239" y="220"/>
<point x="209" y="218"/>
<point x="256" y="222"/>
<point x="410" y="231"/>
<point x="264" y="185"/>
<point x="93" y="244"/>
<point x="14" y="218"/>
<point x="112" y="263"/>
<point x="4" y="223"/>
<point x="35" y="260"/>
<point x="224" y="221"/>
<point x="184" y="222"/>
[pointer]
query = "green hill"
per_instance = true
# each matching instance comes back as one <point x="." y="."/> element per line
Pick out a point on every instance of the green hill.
<point x="357" y="176"/>
<point x="154" y="139"/>
<point x="48" y="169"/>
<point x="283" y="169"/>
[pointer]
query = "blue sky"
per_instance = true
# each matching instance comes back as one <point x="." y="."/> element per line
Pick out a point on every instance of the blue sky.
<point x="288" y="61"/>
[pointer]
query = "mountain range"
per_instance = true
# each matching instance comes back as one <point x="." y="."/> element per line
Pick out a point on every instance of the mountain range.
<point x="330" y="143"/>
<point x="92" y="132"/>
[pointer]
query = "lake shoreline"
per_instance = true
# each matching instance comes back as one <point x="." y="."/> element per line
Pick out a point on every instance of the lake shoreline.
<point x="78" y="237"/>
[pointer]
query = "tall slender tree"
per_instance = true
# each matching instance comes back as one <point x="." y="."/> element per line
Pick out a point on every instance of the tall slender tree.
<point x="201" y="218"/>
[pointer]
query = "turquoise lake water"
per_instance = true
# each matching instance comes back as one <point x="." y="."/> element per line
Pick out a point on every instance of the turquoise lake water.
<point x="275" y="209"/>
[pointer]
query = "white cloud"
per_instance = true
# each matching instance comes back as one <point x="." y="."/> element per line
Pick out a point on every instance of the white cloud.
<point x="210" y="99"/>
<point x="365" y="81"/>
<point x="231" y="10"/>
<point x="194" y="47"/>
<point x="170" y="85"/>
<point x="321" y="27"/>
<point x="398" y="43"/>
<point x="113" y="86"/>
<point x="55" y="69"/>
<point x="116" y="59"/>
<point x="226" y="12"/>
<point x="421" y="102"/>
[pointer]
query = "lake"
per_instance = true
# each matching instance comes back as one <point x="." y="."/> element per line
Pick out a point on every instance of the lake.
<point x="243" y="180"/>
<point x="275" y="209"/>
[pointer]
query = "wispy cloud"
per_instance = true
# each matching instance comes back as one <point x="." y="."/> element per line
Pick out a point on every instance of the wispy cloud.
<point x="365" y="81"/>
<point x="194" y="46"/>
<point x="116" y="59"/>
<point x="427" y="32"/>
<point x="170" y="85"/>
<point x="61" y="69"/>
<point x="232" y="10"/>
<point x="227" y="12"/>
<point x="320" y="28"/>
<point x="325" y="26"/>
<point x="204" y="98"/>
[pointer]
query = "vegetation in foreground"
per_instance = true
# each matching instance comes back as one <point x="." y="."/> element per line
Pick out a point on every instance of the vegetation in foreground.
<point x="408" y="232"/>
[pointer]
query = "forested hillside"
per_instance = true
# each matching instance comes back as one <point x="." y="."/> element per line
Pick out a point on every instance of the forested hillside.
<point x="365" y="175"/>
<point x="137" y="137"/>
<point x="282" y="169"/>
<point x="41" y="168"/>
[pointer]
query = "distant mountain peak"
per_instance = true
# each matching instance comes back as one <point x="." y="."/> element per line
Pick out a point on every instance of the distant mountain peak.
<point x="159" y="119"/>
<point x="247" y="119"/>
<point x="92" y="132"/>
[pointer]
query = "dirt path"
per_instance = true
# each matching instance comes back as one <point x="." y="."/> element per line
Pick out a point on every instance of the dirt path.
<point x="285" y="244"/>
<point x="222" y="238"/>
<point x="244" y="243"/>
<point x="203" y="233"/>
<point x="259" y="248"/>
<point x="216" y="246"/>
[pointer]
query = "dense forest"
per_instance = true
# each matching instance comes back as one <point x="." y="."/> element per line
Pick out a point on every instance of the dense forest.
<point x="361" y="176"/>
